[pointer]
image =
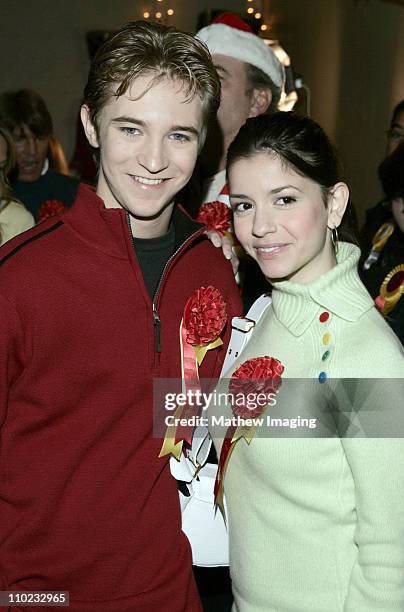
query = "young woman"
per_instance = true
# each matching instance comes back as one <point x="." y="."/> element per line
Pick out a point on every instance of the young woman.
<point x="316" y="523"/>
<point x="14" y="217"/>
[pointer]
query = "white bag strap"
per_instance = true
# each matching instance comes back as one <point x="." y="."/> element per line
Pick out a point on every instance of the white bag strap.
<point x="189" y="464"/>
<point x="242" y="328"/>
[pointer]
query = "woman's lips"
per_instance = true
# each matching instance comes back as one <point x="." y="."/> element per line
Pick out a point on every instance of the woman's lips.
<point x="271" y="250"/>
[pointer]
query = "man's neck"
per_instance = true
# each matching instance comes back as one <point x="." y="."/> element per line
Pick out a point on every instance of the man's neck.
<point x="151" y="228"/>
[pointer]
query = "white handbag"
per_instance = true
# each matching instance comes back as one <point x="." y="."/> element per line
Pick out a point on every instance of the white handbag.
<point x="204" y="527"/>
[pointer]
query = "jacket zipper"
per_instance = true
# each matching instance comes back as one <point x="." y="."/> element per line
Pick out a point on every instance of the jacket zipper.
<point x="156" y="318"/>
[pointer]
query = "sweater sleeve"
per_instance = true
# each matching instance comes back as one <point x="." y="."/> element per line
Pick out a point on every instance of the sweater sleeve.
<point x="14" y="219"/>
<point x="11" y="362"/>
<point x="377" y="465"/>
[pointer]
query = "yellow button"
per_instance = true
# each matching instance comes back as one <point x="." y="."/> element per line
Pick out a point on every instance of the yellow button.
<point x="326" y="338"/>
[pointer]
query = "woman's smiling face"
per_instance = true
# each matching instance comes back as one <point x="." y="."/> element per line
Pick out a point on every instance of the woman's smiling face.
<point x="280" y="218"/>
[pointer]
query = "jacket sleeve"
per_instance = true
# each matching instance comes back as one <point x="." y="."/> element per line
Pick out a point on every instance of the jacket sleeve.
<point x="377" y="465"/>
<point x="11" y="360"/>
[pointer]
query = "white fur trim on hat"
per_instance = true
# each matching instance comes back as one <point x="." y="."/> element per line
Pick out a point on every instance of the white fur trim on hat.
<point x="244" y="46"/>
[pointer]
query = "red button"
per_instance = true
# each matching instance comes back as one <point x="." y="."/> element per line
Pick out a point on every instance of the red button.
<point x="324" y="317"/>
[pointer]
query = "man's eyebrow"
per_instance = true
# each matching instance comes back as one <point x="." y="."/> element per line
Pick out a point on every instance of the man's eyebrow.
<point x="125" y="119"/>
<point x="184" y="128"/>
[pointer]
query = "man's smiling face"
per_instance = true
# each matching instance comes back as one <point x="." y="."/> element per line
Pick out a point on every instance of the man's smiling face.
<point x="148" y="140"/>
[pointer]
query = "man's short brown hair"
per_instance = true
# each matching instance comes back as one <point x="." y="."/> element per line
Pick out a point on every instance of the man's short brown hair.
<point x="139" y="48"/>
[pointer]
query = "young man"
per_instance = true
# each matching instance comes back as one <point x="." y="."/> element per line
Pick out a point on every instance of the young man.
<point x="91" y="305"/>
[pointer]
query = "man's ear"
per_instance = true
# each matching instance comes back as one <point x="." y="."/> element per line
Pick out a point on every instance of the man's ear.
<point x="338" y="198"/>
<point x="260" y="101"/>
<point x="88" y="126"/>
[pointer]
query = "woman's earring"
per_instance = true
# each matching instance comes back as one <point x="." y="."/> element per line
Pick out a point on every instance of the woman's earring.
<point x="334" y="238"/>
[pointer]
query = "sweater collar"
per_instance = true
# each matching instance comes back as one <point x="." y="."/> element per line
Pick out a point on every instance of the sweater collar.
<point x="339" y="291"/>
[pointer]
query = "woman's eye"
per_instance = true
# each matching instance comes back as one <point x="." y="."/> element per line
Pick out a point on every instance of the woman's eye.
<point x="241" y="207"/>
<point x="285" y="200"/>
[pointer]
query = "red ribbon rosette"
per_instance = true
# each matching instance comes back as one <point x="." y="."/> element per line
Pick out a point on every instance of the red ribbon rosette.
<point x="215" y="216"/>
<point x="50" y="208"/>
<point x="261" y="375"/>
<point x="255" y="378"/>
<point x="203" y="321"/>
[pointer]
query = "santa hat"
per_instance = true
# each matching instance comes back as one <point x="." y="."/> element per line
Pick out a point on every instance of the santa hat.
<point x="229" y="35"/>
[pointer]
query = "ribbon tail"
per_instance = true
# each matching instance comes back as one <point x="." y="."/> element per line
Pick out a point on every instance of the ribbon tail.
<point x="170" y="445"/>
<point x="200" y="351"/>
<point x="227" y="448"/>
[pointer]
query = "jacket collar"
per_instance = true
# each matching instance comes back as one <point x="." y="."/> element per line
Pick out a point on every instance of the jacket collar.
<point x="106" y="229"/>
<point x="339" y="291"/>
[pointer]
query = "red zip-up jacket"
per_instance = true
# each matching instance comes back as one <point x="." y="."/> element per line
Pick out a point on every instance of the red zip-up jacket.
<point x="86" y="505"/>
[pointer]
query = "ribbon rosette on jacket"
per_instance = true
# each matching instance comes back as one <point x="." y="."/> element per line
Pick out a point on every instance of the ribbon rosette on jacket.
<point x="202" y="323"/>
<point x="50" y="208"/>
<point x="216" y="217"/>
<point x="250" y="389"/>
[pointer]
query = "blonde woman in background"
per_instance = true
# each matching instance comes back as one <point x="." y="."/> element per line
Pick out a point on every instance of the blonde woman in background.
<point x="14" y="217"/>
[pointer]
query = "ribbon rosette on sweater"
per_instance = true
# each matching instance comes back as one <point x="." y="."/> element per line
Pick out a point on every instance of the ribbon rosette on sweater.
<point x="216" y="217"/>
<point x="202" y="323"/>
<point x="250" y="388"/>
<point x="50" y="208"/>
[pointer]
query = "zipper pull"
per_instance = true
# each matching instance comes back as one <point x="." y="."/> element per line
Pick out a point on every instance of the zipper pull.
<point x="157" y="329"/>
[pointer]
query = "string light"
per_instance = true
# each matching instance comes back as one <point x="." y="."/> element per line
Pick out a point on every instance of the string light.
<point x="258" y="15"/>
<point x="170" y="12"/>
<point x="158" y="15"/>
<point x="250" y="10"/>
<point x="146" y="15"/>
<point x="264" y="27"/>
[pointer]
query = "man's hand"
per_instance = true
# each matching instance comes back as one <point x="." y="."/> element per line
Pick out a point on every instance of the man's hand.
<point x="226" y="245"/>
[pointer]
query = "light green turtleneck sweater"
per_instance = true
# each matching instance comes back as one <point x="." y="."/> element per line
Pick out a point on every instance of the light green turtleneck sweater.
<point x="317" y="524"/>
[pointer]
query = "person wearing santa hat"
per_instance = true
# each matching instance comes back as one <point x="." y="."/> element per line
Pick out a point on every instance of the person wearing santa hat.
<point x="252" y="80"/>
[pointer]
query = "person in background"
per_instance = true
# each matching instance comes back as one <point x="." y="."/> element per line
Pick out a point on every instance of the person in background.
<point x="381" y="213"/>
<point x="382" y="265"/>
<point x="14" y="217"/>
<point x="92" y="305"/>
<point x="41" y="183"/>
<point x="315" y="514"/>
<point x="395" y="134"/>
<point x="251" y="78"/>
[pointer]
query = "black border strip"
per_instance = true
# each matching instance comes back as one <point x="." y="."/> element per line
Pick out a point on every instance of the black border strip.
<point x="32" y="239"/>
